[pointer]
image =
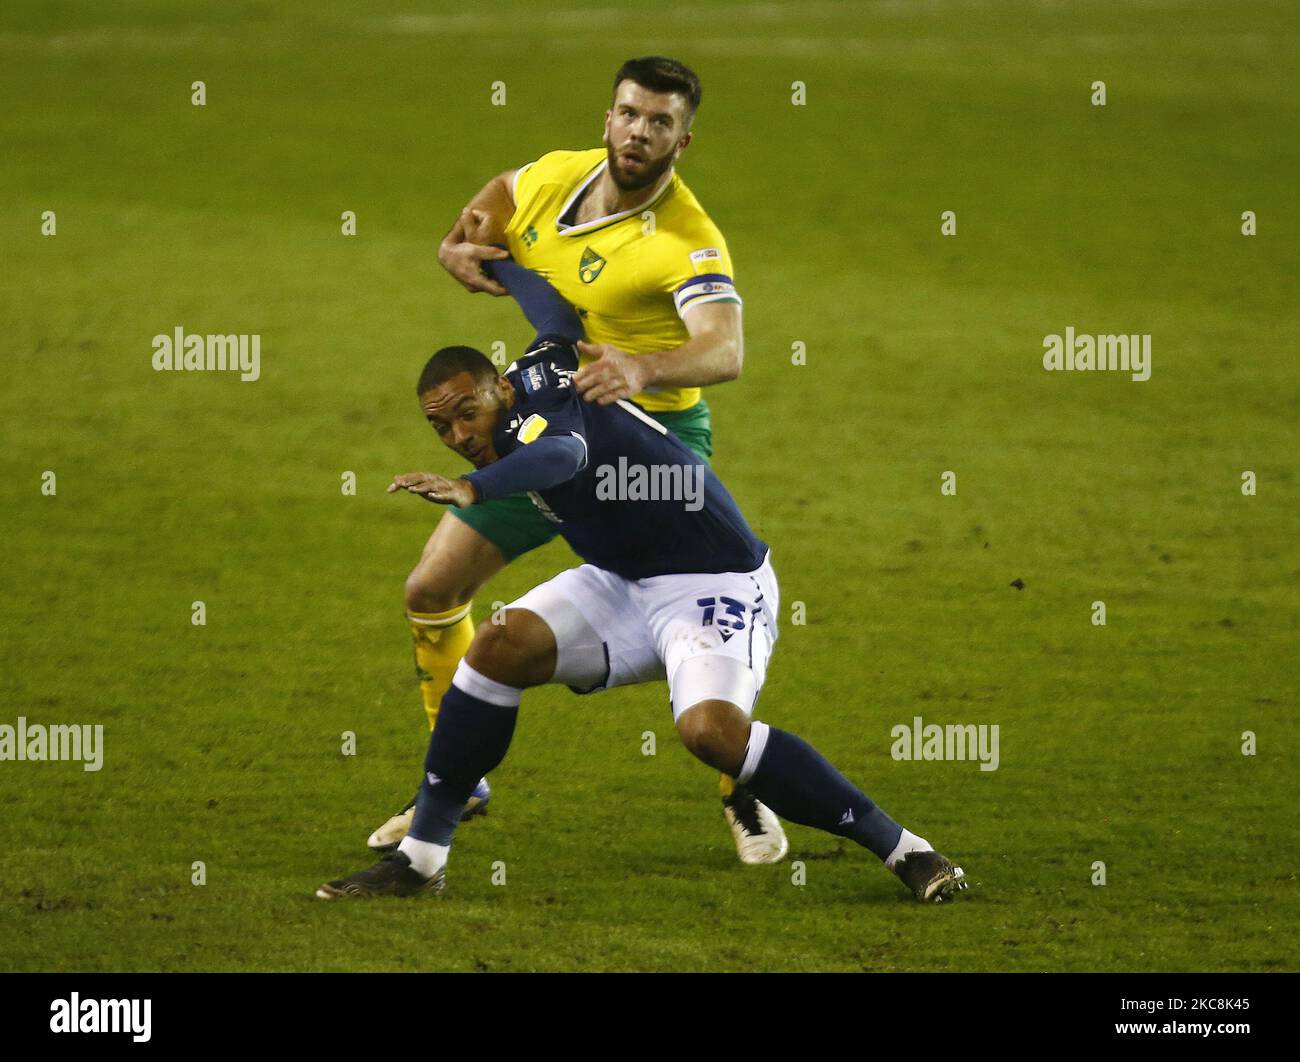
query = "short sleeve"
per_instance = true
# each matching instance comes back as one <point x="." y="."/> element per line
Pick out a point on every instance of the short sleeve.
<point x="524" y="186"/>
<point x="555" y="166"/>
<point x="698" y="271"/>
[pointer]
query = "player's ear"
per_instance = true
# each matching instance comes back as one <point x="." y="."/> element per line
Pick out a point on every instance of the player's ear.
<point x="505" y="393"/>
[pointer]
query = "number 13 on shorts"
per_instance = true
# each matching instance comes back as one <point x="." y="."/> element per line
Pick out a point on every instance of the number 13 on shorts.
<point x="730" y="620"/>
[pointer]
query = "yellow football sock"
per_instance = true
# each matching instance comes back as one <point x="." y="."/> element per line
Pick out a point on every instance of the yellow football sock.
<point x="441" y="639"/>
<point x="727" y="784"/>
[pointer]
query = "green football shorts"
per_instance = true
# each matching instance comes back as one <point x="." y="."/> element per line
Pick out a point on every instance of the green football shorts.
<point x="515" y="525"/>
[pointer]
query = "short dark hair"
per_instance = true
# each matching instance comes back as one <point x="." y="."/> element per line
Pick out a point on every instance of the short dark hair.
<point x="452" y="361"/>
<point x="659" y="74"/>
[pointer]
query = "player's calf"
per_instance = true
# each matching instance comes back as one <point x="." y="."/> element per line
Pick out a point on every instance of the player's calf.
<point x="716" y="731"/>
<point x="454" y="564"/>
<point x="799" y="784"/>
<point x="476" y="722"/>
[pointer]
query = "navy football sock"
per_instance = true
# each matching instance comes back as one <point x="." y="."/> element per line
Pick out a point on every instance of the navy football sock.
<point x="798" y="783"/>
<point x="469" y="740"/>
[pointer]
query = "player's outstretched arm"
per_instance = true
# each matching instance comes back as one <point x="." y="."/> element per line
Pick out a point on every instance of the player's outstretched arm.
<point x="714" y="354"/>
<point x="482" y="223"/>
<point x="547" y="462"/>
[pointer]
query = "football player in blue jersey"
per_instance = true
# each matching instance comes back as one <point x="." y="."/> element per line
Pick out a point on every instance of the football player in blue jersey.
<point x="676" y="587"/>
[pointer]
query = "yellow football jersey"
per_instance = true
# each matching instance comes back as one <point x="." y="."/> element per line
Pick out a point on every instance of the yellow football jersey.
<point x="630" y="278"/>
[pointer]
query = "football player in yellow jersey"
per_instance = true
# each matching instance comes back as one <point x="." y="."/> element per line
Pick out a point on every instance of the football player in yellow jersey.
<point x="617" y="231"/>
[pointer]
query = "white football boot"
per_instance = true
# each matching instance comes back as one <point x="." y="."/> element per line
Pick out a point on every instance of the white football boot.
<point x="390" y="834"/>
<point x="755" y="827"/>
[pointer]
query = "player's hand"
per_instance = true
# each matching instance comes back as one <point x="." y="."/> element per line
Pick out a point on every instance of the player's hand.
<point x="466" y="248"/>
<point x="435" y="488"/>
<point x="611" y="375"/>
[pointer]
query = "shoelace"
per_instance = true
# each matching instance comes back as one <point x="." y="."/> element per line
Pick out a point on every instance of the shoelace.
<point x="745" y="807"/>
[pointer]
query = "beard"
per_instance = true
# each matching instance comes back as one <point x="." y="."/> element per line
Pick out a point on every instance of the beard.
<point x="633" y="182"/>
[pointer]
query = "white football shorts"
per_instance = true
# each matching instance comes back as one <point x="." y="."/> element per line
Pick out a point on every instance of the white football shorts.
<point x="710" y="636"/>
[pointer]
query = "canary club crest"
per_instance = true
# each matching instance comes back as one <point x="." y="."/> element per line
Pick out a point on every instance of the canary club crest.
<point x="590" y="266"/>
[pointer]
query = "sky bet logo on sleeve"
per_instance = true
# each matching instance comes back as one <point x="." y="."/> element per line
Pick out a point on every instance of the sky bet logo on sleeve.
<point x="705" y="260"/>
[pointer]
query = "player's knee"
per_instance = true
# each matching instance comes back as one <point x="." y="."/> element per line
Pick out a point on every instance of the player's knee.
<point x="434" y="588"/>
<point x="715" y="732"/>
<point x="516" y="648"/>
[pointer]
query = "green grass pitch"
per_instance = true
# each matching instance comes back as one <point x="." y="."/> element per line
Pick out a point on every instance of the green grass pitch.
<point x="1120" y="744"/>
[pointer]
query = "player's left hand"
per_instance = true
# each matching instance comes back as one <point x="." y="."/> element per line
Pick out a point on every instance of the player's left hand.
<point x="435" y="488"/>
<point x="611" y="375"/>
